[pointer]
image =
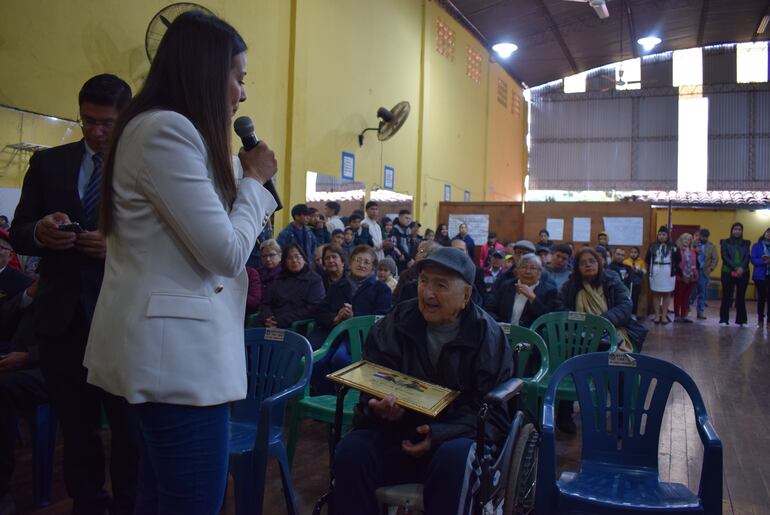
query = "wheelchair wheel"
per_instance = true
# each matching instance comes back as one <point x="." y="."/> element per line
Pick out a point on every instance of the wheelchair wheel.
<point x="520" y="490"/>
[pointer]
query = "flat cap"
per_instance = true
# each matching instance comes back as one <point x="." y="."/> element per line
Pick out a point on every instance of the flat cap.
<point x="453" y="259"/>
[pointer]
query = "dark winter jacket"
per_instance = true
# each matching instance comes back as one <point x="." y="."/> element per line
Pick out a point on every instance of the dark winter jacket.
<point x="619" y="306"/>
<point x="475" y="362"/>
<point x="293" y="297"/>
<point x="500" y="304"/>
<point x="371" y="298"/>
<point x="732" y="247"/>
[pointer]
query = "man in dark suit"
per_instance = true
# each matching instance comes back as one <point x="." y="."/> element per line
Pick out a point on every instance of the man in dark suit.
<point x="57" y="219"/>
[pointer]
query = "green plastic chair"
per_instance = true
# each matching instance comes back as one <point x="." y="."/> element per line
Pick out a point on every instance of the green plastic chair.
<point x="308" y="324"/>
<point x="567" y="334"/>
<point x="322" y="407"/>
<point x="517" y="334"/>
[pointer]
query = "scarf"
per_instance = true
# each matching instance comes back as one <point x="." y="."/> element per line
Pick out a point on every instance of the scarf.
<point x="592" y="300"/>
<point x="688" y="264"/>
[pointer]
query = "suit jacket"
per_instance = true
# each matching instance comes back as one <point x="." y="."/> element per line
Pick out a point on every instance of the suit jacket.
<point x="547" y="299"/>
<point x="68" y="278"/>
<point x="168" y="326"/>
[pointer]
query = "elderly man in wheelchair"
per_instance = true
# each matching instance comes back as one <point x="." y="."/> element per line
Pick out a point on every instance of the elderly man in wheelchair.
<point x="456" y="457"/>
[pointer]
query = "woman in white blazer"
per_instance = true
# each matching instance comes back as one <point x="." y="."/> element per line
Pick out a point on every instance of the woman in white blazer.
<point x="167" y="333"/>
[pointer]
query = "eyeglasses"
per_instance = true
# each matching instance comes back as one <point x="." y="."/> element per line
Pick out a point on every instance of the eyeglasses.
<point x="529" y="268"/>
<point x="89" y="123"/>
<point x="294" y="257"/>
<point x="271" y="255"/>
<point x="361" y="261"/>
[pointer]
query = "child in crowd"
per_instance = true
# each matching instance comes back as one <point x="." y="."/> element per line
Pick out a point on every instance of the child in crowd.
<point x="639" y="270"/>
<point x="338" y="237"/>
<point x="348" y="244"/>
<point x="391" y="251"/>
<point x="386" y="272"/>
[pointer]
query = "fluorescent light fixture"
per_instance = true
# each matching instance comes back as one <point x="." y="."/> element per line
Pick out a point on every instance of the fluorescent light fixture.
<point x="649" y="42"/>
<point x="763" y="24"/>
<point x="505" y="50"/>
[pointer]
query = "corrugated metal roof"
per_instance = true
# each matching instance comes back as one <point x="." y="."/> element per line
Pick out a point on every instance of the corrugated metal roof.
<point x="732" y="198"/>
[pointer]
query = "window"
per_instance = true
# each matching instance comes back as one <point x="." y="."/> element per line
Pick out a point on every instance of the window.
<point x="688" y="67"/>
<point x="575" y="83"/>
<point x="752" y="62"/>
<point x="632" y="72"/>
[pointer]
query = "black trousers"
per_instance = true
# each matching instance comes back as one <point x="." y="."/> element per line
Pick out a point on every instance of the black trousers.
<point x="763" y="299"/>
<point x="78" y="406"/>
<point x="20" y="392"/>
<point x="736" y="285"/>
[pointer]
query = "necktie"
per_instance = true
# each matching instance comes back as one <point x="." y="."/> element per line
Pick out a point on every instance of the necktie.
<point x="93" y="192"/>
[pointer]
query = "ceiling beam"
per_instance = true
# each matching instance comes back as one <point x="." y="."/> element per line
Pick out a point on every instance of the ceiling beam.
<point x="631" y="30"/>
<point x="765" y="12"/>
<point x="558" y="36"/>
<point x="704" y="13"/>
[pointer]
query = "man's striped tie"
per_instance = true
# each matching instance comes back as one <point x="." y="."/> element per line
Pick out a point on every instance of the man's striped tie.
<point x="93" y="192"/>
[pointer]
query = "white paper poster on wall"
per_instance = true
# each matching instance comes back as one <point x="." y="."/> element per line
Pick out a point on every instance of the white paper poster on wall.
<point x="478" y="226"/>
<point x="555" y="228"/>
<point x="581" y="229"/>
<point x="624" y="230"/>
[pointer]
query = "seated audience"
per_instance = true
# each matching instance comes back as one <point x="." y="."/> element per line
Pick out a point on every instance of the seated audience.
<point x="21" y="382"/>
<point x="442" y="235"/>
<point x="760" y="257"/>
<point x="470" y="245"/>
<point x="357" y="295"/>
<point x="318" y="264"/>
<point x="638" y="271"/>
<point x="544" y="239"/>
<point x="295" y="294"/>
<point x="686" y="278"/>
<point x="494" y="269"/>
<point x="522" y="300"/>
<point x="430" y="235"/>
<point x="347" y="241"/>
<point x="604" y="242"/>
<point x="560" y="269"/>
<point x="390" y="250"/>
<point x="443" y="338"/>
<point x="254" y="293"/>
<point x="338" y="237"/>
<point x="544" y="253"/>
<point x="333" y="264"/>
<point x="486" y="250"/>
<point x="298" y="232"/>
<point x="523" y="247"/>
<point x="407" y="280"/>
<point x="270" y="259"/>
<point x="592" y="289"/>
<point x="387" y="272"/>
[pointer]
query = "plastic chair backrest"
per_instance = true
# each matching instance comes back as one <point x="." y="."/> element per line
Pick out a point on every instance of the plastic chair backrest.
<point x="303" y="327"/>
<point x="356" y="329"/>
<point x="570" y="333"/>
<point x="622" y="399"/>
<point x="518" y="334"/>
<point x="275" y="363"/>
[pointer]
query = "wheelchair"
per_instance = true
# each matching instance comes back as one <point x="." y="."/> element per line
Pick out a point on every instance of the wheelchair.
<point x="506" y="479"/>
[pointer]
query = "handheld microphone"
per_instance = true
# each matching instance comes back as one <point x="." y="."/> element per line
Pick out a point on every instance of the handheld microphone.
<point x="244" y="128"/>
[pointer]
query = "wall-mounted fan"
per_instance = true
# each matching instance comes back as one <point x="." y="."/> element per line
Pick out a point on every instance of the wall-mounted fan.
<point x="160" y="22"/>
<point x="390" y="121"/>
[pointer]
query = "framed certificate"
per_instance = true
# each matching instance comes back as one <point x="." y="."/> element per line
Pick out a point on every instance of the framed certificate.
<point x="409" y="392"/>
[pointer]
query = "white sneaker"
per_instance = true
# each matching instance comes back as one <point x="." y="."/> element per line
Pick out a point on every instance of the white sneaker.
<point x="723" y="324"/>
<point x="743" y="325"/>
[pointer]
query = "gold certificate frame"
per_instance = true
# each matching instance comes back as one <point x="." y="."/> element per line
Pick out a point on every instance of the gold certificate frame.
<point x="409" y="392"/>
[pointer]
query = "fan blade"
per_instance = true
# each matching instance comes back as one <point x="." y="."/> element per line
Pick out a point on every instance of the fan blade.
<point x="601" y="10"/>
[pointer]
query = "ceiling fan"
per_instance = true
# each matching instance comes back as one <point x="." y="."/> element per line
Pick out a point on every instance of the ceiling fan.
<point x="600" y="6"/>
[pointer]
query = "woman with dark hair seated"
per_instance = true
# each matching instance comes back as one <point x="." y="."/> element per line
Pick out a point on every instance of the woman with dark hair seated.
<point x="593" y="290"/>
<point x="295" y="294"/>
<point x="357" y="294"/>
<point x="521" y="300"/>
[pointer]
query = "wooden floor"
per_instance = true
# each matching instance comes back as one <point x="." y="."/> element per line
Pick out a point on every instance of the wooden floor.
<point x="730" y="365"/>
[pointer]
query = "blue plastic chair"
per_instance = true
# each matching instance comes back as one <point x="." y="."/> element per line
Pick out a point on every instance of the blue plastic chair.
<point x="279" y="364"/>
<point x="622" y="400"/>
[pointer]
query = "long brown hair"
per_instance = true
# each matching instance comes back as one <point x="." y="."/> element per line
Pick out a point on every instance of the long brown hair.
<point x="189" y="75"/>
<point x="577" y="278"/>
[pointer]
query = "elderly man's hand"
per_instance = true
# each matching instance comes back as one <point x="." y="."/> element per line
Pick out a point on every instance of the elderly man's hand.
<point x="416" y="450"/>
<point x="386" y="408"/>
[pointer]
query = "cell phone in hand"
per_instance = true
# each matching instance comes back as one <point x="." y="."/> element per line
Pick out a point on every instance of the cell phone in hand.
<point x="73" y="227"/>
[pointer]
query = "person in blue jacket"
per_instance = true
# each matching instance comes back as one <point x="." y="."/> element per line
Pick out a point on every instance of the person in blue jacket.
<point x="760" y="258"/>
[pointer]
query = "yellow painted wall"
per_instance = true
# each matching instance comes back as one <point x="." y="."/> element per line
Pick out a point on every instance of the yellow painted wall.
<point x="506" y="138"/>
<point x="352" y="57"/>
<point x="318" y="71"/>
<point x="454" y="133"/>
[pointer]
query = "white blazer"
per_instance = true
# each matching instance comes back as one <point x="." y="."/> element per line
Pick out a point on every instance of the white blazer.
<point x="168" y="325"/>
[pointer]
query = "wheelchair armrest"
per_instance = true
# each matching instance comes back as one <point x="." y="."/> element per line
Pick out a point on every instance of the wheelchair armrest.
<point x="504" y="392"/>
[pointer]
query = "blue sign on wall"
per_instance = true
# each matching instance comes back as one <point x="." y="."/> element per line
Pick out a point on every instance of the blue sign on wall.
<point x="389" y="178"/>
<point x="348" y="166"/>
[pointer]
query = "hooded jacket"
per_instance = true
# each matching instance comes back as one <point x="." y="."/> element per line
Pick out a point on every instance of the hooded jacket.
<point x="476" y="361"/>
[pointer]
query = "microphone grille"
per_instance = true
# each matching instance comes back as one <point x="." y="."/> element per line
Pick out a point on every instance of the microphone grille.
<point x="243" y="126"/>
